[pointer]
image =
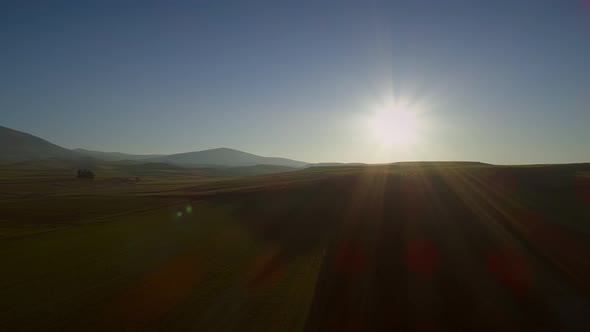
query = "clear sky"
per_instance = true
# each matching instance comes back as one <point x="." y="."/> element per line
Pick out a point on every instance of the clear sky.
<point x="493" y="81"/>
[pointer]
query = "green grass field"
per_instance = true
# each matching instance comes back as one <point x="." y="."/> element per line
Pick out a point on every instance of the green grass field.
<point x="411" y="246"/>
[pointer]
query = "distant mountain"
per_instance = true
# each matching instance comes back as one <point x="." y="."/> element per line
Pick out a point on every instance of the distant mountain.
<point x="226" y="157"/>
<point x="20" y="147"/>
<point x="114" y="156"/>
<point x="16" y="146"/>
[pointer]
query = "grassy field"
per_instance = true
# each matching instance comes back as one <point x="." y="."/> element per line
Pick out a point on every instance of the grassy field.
<point x="409" y="246"/>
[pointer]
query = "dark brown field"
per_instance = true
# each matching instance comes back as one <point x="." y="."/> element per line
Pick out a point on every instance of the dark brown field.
<point x="402" y="247"/>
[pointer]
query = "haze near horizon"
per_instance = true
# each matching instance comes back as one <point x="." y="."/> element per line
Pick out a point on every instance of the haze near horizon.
<point x="502" y="82"/>
<point x="297" y="166"/>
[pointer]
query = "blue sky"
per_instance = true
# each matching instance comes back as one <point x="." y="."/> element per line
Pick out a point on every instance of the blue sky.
<point x="494" y="81"/>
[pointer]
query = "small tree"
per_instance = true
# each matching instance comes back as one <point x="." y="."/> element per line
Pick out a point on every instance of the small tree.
<point x="85" y="174"/>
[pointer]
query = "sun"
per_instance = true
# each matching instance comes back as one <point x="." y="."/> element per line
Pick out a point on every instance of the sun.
<point x="395" y="126"/>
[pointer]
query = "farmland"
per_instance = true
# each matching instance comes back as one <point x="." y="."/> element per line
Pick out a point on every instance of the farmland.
<point x="407" y="246"/>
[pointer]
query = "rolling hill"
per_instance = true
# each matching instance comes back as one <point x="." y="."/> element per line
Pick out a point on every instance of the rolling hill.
<point x="226" y="157"/>
<point x="20" y="147"/>
<point x="17" y="146"/>
<point x="114" y="156"/>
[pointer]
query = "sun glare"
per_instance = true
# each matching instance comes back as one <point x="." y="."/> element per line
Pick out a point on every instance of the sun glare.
<point x="395" y="126"/>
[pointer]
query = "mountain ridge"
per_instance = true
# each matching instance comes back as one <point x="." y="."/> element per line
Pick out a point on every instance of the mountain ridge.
<point x="115" y="156"/>
<point x="17" y="146"/>
<point x="226" y="157"/>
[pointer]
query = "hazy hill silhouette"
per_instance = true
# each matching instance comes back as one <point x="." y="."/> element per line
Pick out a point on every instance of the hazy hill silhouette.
<point x="17" y="146"/>
<point x="20" y="147"/>
<point x="226" y="157"/>
<point x="114" y="156"/>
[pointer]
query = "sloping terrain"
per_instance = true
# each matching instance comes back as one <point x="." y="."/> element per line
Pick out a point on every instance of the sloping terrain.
<point x="226" y="157"/>
<point x="114" y="156"/>
<point x="16" y="146"/>
<point x="26" y="150"/>
<point x="402" y="247"/>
